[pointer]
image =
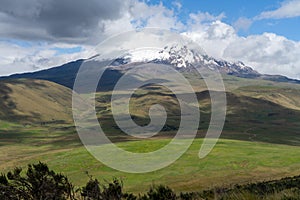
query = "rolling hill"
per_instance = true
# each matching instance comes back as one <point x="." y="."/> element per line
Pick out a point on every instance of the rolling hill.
<point x="34" y="101"/>
<point x="263" y="111"/>
<point x="257" y="110"/>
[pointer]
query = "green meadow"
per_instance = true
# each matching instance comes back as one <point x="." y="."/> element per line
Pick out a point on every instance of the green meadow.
<point x="230" y="162"/>
<point x="260" y="140"/>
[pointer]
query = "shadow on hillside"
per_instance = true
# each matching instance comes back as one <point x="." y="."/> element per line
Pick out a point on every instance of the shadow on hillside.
<point x="248" y="118"/>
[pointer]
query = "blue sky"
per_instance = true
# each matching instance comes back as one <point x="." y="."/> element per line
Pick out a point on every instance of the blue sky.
<point x="235" y="9"/>
<point x="264" y="34"/>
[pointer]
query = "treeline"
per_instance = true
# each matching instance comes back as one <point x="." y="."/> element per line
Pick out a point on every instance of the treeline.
<point x="41" y="183"/>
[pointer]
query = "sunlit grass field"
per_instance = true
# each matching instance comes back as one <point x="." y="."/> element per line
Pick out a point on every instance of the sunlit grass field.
<point x="230" y="162"/>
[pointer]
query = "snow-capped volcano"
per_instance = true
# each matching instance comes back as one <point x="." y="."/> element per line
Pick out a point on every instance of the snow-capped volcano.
<point x="180" y="56"/>
<point x="184" y="58"/>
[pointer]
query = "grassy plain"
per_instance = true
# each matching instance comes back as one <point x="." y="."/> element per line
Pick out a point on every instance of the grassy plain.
<point x="260" y="140"/>
<point x="230" y="162"/>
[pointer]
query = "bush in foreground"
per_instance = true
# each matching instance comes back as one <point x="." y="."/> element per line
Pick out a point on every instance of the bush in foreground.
<point x="38" y="183"/>
<point x="41" y="183"/>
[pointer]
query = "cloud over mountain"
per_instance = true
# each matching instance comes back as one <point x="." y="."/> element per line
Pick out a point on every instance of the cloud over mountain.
<point x="49" y="24"/>
<point x="56" y="20"/>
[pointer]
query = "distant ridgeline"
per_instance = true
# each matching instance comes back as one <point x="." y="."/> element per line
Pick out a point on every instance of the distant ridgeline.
<point x="181" y="58"/>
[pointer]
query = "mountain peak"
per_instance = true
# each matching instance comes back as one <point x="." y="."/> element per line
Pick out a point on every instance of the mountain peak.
<point x="180" y="56"/>
<point x="185" y="58"/>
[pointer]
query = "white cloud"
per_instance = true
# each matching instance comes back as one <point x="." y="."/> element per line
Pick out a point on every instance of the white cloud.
<point x="242" y="24"/>
<point x="203" y="17"/>
<point x="157" y="16"/>
<point x="288" y="9"/>
<point x="267" y="53"/>
<point x="213" y="38"/>
<point x="177" y="5"/>
<point x="17" y="59"/>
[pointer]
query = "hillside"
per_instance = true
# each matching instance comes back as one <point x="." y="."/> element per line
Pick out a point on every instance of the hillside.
<point x="37" y="101"/>
<point x="256" y="110"/>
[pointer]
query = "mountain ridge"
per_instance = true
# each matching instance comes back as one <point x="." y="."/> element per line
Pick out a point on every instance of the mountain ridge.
<point x="182" y="58"/>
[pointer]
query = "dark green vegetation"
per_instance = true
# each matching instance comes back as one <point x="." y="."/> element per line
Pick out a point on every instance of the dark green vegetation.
<point x="39" y="182"/>
<point x="260" y="140"/>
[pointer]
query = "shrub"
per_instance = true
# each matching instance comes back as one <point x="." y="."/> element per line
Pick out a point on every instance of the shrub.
<point x="38" y="183"/>
<point x="159" y="192"/>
